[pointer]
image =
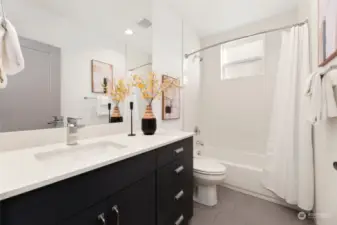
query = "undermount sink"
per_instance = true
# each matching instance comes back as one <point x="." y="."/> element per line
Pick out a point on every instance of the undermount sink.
<point x="80" y="150"/>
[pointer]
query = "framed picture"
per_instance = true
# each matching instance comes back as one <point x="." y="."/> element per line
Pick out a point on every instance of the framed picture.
<point x="170" y="101"/>
<point x="327" y="28"/>
<point x="101" y="73"/>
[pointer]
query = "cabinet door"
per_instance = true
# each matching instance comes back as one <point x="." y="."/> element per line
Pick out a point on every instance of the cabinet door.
<point x="135" y="205"/>
<point x="95" y="215"/>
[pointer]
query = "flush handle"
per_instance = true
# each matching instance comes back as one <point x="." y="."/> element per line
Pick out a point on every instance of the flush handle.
<point x="101" y="218"/>
<point x="180" y="220"/>
<point x="179" y="195"/>
<point x="179" y="150"/>
<point x="179" y="169"/>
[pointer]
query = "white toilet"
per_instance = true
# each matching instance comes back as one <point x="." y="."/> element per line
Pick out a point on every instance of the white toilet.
<point x="208" y="174"/>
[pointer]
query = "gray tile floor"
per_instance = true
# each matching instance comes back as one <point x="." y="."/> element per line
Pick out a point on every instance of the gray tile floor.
<point x="235" y="208"/>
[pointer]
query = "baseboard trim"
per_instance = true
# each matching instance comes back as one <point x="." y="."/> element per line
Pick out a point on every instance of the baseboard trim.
<point x="258" y="195"/>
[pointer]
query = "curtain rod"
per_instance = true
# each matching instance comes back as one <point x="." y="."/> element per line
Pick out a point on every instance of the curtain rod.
<point x="246" y="36"/>
<point x="141" y="66"/>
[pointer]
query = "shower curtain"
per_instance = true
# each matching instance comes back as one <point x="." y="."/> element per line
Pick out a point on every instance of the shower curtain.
<point x="289" y="172"/>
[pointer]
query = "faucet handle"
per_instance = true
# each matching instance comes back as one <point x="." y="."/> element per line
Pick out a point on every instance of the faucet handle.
<point x="57" y="120"/>
<point x="73" y="121"/>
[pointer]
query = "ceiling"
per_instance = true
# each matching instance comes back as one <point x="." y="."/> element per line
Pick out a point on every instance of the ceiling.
<point x="209" y="17"/>
<point x="110" y="16"/>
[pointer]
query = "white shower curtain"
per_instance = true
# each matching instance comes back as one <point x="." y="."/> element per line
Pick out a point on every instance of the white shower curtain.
<point x="289" y="172"/>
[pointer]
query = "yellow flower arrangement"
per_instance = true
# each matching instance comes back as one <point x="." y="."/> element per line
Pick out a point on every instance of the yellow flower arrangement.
<point x="150" y="88"/>
<point x="118" y="91"/>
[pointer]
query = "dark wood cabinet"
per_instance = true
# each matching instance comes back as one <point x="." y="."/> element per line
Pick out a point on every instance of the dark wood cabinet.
<point x="133" y="206"/>
<point x="155" y="188"/>
<point x="175" y="184"/>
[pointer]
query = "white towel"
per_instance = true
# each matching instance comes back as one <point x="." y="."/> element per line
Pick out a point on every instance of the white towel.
<point x="12" y="58"/>
<point x="328" y="98"/>
<point x="313" y="91"/>
<point x="3" y="79"/>
<point x="322" y="103"/>
<point x="102" y="105"/>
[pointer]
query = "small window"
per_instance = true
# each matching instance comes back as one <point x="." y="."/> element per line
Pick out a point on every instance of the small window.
<point x="243" y="58"/>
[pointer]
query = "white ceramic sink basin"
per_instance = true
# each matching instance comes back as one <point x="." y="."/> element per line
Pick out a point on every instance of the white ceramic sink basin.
<point x="80" y="150"/>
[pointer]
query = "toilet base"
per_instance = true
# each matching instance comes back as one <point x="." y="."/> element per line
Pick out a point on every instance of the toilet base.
<point x="206" y="195"/>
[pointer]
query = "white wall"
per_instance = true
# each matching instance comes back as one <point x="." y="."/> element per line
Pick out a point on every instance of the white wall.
<point x="235" y="113"/>
<point x="171" y="39"/>
<point x="79" y="45"/>
<point x="135" y="58"/>
<point x="167" y="52"/>
<point x="324" y="136"/>
<point x="191" y="78"/>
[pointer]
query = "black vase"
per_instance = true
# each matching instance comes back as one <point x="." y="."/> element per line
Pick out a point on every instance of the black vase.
<point x="149" y="122"/>
<point x="149" y="126"/>
<point x="116" y="116"/>
<point x="116" y="119"/>
<point x="168" y="109"/>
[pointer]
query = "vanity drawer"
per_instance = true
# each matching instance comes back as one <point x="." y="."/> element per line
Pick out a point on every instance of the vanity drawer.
<point x="176" y="174"/>
<point x="61" y="200"/>
<point x="170" y="208"/>
<point x="179" y="214"/>
<point x="175" y="191"/>
<point x="179" y="219"/>
<point x="178" y="150"/>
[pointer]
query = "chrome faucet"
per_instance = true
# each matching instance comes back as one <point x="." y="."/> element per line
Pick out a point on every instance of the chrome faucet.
<point x="57" y="122"/>
<point x="72" y="130"/>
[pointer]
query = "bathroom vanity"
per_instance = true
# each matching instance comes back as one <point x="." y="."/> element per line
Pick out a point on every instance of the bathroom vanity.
<point x="149" y="182"/>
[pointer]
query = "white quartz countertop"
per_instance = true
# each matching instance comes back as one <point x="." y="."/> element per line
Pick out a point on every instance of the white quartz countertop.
<point x="22" y="171"/>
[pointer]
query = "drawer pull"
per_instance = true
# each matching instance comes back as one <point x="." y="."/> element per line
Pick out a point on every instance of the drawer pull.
<point x="116" y="210"/>
<point x="179" y="195"/>
<point x="179" y="150"/>
<point x="180" y="220"/>
<point x="101" y="218"/>
<point x="179" y="169"/>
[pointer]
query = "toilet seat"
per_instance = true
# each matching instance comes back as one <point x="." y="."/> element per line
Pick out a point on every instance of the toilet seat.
<point x="208" y="167"/>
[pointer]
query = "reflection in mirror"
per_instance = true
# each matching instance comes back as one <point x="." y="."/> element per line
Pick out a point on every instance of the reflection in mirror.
<point x="138" y="63"/>
<point x="69" y="56"/>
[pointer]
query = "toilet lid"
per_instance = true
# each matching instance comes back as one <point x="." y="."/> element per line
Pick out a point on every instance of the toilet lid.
<point x="207" y="166"/>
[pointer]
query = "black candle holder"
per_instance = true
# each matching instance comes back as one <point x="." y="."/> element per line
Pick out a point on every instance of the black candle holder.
<point x="131" y="110"/>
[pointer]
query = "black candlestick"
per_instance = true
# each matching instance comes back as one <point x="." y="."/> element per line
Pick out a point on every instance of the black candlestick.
<point x="109" y="108"/>
<point x="131" y="109"/>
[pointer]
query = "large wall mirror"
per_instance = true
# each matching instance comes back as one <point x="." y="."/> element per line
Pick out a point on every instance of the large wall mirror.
<point x="69" y="48"/>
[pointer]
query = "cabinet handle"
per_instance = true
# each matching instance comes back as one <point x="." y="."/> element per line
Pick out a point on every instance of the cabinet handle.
<point x="179" y="195"/>
<point x="180" y="220"/>
<point x="115" y="209"/>
<point x="179" y="150"/>
<point x="101" y="218"/>
<point x="179" y="169"/>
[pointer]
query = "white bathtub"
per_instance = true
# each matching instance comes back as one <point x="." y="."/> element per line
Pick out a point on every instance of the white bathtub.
<point x="244" y="171"/>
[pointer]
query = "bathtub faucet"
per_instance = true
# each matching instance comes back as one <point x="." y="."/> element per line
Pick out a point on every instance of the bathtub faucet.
<point x="200" y="143"/>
